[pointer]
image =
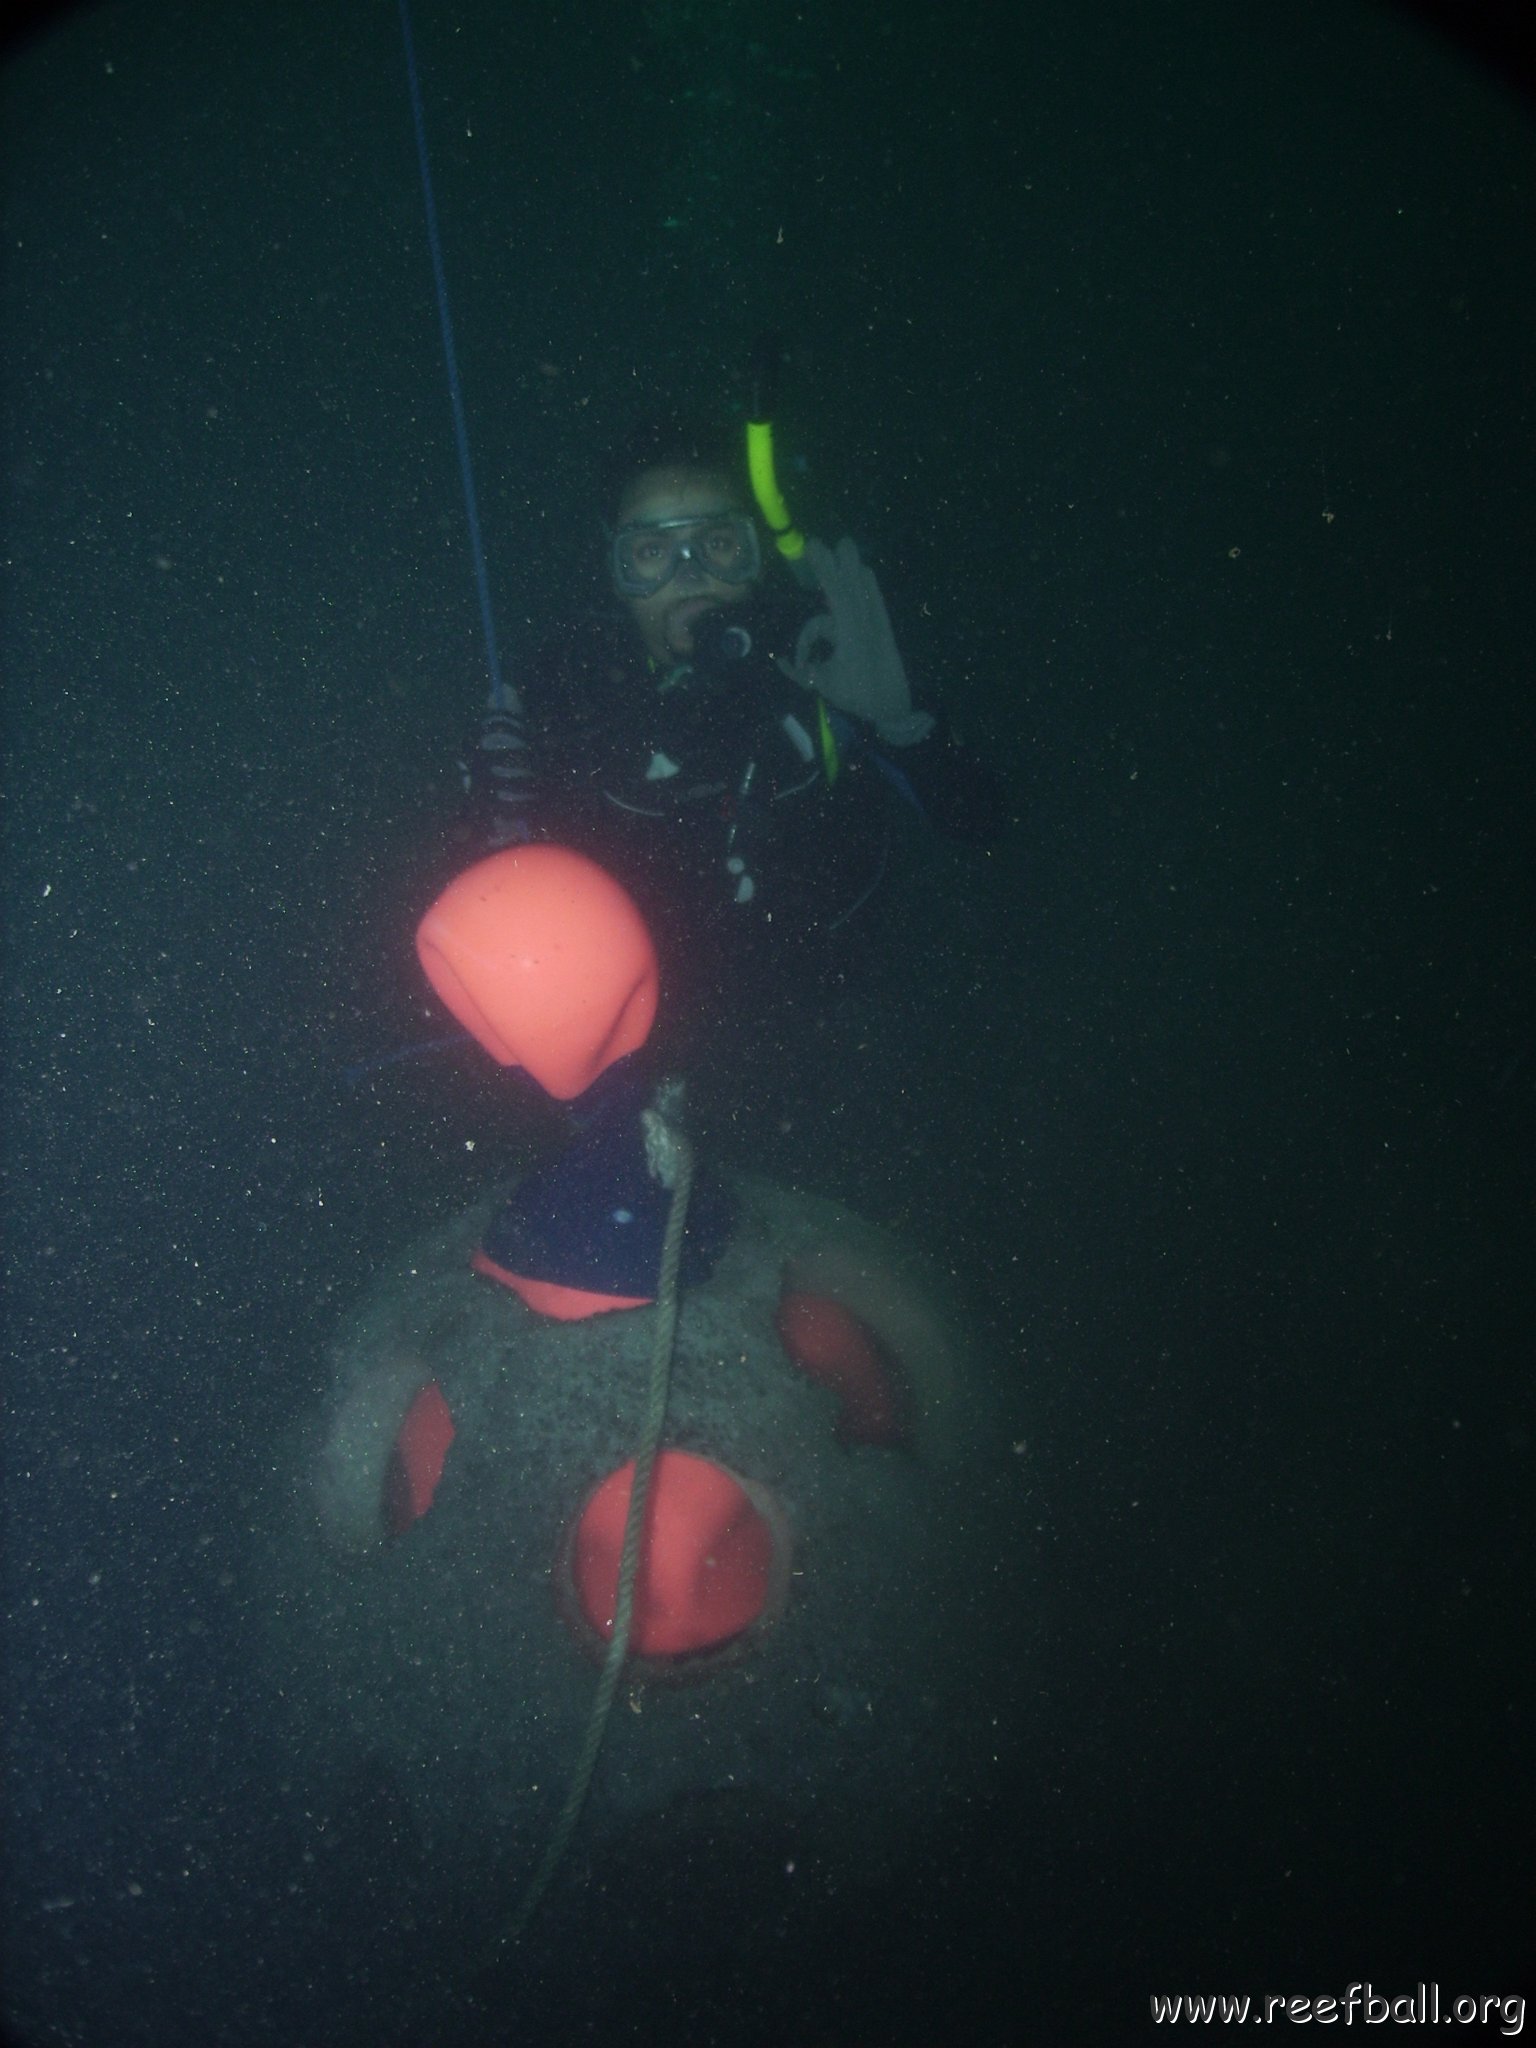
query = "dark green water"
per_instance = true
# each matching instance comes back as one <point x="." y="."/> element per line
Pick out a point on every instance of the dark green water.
<point x="1176" y="366"/>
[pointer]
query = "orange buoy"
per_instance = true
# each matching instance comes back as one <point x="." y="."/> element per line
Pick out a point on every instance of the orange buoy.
<point x="710" y="1560"/>
<point x="831" y="1346"/>
<point x="543" y="958"/>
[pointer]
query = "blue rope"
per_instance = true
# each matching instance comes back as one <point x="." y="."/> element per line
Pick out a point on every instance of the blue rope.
<point x="503" y="697"/>
<point x="361" y="1069"/>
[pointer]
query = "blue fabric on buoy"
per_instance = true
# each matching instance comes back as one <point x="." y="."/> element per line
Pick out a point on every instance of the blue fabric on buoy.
<point x="594" y="1218"/>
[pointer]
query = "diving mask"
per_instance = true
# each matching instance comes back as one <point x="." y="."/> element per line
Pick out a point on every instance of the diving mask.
<point x="649" y="553"/>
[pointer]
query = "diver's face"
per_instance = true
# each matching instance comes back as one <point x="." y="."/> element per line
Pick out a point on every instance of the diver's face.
<point x="666" y="618"/>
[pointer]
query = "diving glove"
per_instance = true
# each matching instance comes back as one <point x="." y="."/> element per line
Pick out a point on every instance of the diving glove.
<point x="848" y="653"/>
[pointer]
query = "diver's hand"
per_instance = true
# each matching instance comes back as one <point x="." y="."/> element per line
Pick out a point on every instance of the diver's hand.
<point x="498" y="778"/>
<point x="849" y="654"/>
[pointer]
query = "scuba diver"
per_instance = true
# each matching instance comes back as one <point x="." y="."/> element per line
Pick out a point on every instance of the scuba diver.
<point x="732" y="740"/>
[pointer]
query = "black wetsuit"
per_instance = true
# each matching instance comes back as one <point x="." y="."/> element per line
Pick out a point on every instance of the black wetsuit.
<point x="752" y="826"/>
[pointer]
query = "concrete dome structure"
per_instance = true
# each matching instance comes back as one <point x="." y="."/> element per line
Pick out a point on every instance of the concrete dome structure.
<point x="441" y="1640"/>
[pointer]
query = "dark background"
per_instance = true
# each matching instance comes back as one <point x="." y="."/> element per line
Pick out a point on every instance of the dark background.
<point x="1175" y="363"/>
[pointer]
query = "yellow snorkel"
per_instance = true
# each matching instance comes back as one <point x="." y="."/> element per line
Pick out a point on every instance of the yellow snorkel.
<point x="787" y="537"/>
